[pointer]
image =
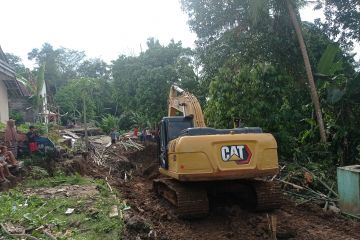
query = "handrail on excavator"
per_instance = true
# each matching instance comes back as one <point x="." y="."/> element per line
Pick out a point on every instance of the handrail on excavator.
<point x="186" y="103"/>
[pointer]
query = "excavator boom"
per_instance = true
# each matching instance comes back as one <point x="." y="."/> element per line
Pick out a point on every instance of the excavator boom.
<point x="185" y="103"/>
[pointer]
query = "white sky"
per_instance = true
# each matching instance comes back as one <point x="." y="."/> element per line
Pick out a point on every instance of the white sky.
<point x="104" y="29"/>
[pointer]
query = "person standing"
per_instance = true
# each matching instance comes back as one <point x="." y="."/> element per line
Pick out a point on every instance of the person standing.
<point x="114" y="136"/>
<point x="11" y="137"/>
<point x="143" y="135"/>
<point x="136" y="130"/>
<point x="31" y="137"/>
<point x="148" y="135"/>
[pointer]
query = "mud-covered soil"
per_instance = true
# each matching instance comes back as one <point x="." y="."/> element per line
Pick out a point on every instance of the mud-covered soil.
<point x="227" y="220"/>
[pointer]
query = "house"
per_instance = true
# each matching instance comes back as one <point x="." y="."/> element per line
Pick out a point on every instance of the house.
<point x="9" y="86"/>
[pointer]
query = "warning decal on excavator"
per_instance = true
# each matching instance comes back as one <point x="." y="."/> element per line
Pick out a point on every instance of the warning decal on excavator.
<point x="241" y="154"/>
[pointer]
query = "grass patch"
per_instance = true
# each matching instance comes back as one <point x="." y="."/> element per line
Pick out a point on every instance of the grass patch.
<point x="90" y="219"/>
<point x="59" y="179"/>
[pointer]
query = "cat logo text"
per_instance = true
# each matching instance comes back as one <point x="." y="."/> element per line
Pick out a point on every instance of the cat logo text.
<point x="241" y="154"/>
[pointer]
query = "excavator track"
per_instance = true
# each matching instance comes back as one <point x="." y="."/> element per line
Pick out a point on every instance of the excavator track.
<point x="268" y="195"/>
<point x="191" y="201"/>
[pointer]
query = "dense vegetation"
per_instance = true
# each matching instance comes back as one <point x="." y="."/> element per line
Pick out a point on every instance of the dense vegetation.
<point x="247" y="64"/>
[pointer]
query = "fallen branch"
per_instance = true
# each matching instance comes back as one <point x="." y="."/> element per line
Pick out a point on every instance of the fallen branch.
<point x="292" y="184"/>
<point x="108" y="184"/>
<point x="316" y="197"/>
<point x="322" y="182"/>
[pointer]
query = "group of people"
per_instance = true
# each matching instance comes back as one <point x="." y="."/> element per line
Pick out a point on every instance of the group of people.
<point x="9" y="151"/>
<point x="146" y="134"/>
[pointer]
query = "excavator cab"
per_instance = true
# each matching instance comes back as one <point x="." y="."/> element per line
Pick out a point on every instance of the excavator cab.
<point x="171" y="128"/>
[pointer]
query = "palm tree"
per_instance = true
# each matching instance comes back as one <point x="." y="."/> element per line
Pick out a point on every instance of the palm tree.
<point x="313" y="92"/>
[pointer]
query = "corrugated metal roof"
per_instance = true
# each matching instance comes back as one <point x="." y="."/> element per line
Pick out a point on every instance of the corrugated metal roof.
<point x="8" y="76"/>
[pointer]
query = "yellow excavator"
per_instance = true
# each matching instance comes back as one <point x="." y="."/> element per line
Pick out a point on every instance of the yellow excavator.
<point x="199" y="161"/>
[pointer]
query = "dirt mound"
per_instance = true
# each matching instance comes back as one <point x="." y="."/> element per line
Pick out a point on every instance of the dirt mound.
<point x="133" y="162"/>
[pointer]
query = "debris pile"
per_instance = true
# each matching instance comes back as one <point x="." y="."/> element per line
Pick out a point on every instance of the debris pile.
<point x="303" y="185"/>
<point x="106" y="155"/>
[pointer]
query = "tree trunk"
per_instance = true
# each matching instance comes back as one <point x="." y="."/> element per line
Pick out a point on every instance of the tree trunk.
<point x="85" y="125"/>
<point x="312" y="86"/>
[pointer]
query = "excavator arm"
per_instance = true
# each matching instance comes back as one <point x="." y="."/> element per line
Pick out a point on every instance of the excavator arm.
<point x="186" y="103"/>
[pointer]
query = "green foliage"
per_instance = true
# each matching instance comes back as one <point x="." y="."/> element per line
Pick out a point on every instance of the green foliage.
<point x="40" y="81"/>
<point x="326" y="65"/>
<point x="72" y="96"/>
<point x="2" y="126"/>
<point x="109" y="122"/>
<point x="141" y="84"/>
<point x="17" y="116"/>
<point x="37" y="173"/>
<point x="247" y="93"/>
<point x="94" y="68"/>
<point x="40" y="178"/>
<point x="61" y="64"/>
<point x="16" y="63"/>
<point x="342" y="20"/>
<point x="54" y="136"/>
<point x="24" y="128"/>
<point x="246" y="32"/>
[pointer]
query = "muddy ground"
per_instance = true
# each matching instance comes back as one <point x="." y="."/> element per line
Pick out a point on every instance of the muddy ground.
<point x="151" y="217"/>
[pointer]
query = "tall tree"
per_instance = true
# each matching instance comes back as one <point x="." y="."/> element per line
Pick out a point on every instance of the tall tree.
<point x="61" y="64"/>
<point x="49" y="57"/>
<point x="39" y="101"/>
<point x="313" y="92"/>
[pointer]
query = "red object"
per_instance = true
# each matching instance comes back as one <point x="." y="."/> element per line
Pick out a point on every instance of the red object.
<point x="33" y="147"/>
<point x="136" y="132"/>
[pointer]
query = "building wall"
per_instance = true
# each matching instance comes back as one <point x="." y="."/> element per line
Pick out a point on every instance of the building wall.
<point x="4" y="105"/>
<point x="24" y="107"/>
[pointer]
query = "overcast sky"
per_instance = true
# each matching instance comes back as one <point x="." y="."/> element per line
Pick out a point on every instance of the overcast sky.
<point x="104" y="29"/>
